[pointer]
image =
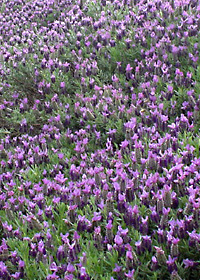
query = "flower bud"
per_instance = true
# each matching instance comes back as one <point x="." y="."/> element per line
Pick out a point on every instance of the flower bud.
<point x="160" y="205"/>
<point x="60" y="255"/>
<point x="175" y="276"/>
<point x="98" y="238"/>
<point x="152" y="163"/>
<point x="36" y="224"/>
<point x="160" y="255"/>
<point x="167" y="197"/>
<point x="154" y="263"/>
<point x="138" y="155"/>
<point x="109" y="205"/>
<point x="109" y="233"/>
<point x="129" y="260"/>
<point x="174" y="248"/>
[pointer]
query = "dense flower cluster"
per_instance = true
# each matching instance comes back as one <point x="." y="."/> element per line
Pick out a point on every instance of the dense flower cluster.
<point x="100" y="150"/>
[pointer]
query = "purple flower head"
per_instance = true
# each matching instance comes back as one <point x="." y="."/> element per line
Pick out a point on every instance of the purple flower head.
<point x="160" y="255"/>
<point x="70" y="268"/>
<point x="189" y="263"/>
<point x="129" y="68"/>
<point x="76" y="236"/>
<point x="69" y="277"/>
<point x="83" y="274"/>
<point x="3" y="270"/>
<point x="147" y="242"/>
<point x="154" y="263"/>
<point x="52" y="276"/>
<point x="16" y="275"/>
<point x="171" y="264"/>
<point x="117" y="268"/>
<point x="130" y="274"/>
<point x="118" y="240"/>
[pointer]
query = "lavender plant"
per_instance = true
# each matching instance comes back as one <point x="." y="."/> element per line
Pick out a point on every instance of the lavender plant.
<point x="99" y="149"/>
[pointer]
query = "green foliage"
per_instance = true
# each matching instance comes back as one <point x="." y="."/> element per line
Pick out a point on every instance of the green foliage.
<point x="22" y="80"/>
<point x="191" y="139"/>
<point x="103" y="263"/>
<point x="59" y="215"/>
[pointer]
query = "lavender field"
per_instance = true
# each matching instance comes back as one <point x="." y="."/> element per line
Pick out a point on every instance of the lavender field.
<point x="99" y="139"/>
